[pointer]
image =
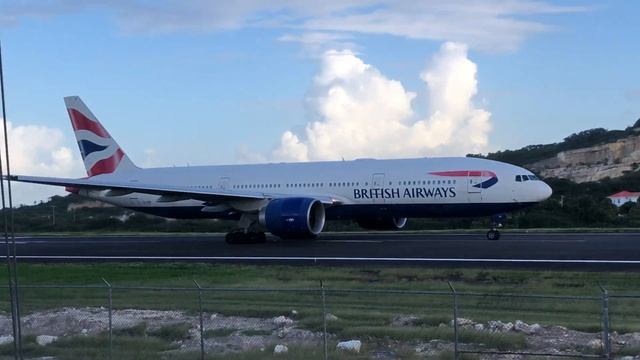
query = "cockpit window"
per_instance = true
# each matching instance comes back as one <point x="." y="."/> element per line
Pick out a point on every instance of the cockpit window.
<point x="520" y="178"/>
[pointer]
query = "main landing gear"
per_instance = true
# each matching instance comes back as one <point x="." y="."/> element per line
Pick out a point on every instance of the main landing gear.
<point x="241" y="237"/>
<point x="247" y="232"/>
<point x="497" y="222"/>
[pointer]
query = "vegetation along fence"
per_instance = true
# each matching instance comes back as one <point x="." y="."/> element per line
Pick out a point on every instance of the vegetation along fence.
<point x="194" y="322"/>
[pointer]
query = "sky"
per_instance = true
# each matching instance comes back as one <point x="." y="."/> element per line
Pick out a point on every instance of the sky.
<point x="210" y="82"/>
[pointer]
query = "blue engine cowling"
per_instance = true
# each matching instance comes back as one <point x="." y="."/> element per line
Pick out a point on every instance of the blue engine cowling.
<point x="293" y="217"/>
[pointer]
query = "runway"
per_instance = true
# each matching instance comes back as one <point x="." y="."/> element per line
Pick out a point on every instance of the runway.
<point x="589" y="251"/>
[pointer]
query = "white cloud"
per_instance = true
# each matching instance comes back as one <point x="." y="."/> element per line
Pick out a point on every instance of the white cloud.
<point x="491" y="25"/>
<point x="359" y="112"/>
<point x="315" y="43"/>
<point x="39" y="150"/>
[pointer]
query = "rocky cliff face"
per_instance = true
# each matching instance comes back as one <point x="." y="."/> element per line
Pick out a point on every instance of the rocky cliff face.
<point x="592" y="163"/>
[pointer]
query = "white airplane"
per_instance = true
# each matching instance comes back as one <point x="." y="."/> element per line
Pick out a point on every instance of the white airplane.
<point x="293" y="200"/>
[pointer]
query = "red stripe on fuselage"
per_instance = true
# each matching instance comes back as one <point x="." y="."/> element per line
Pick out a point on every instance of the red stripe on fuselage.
<point x="81" y="122"/>
<point x="465" y="173"/>
<point x="108" y="165"/>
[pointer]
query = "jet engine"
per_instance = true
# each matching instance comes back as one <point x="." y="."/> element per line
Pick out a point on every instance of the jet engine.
<point x="383" y="223"/>
<point x="293" y="218"/>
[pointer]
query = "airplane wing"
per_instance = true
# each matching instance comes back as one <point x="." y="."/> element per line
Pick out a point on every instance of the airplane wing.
<point x="181" y="192"/>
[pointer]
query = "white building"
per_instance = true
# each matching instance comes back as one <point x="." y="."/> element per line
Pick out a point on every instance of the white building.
<point x="623" y="197"/>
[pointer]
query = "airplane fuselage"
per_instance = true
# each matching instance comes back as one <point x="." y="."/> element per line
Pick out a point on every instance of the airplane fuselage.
<point x="413" y="188"/>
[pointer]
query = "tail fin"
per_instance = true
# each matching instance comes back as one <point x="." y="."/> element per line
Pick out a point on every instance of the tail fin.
<point x="100" y="152"/>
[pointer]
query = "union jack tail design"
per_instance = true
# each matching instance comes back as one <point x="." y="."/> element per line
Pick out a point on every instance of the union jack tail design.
<point x="100" y="152"/>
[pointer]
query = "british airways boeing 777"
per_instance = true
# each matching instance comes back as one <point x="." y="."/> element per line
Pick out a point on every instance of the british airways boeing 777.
<point x="293" y="200"/>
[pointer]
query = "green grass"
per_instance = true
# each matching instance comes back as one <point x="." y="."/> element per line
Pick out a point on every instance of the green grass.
<point x="500" y="341"/>
<point x="83" y="347"/>
<point x="256" y="332"/>
<point x="295" y="353"/>
<point x="628" y="351"/>
<point x="414" y="278"/>
<point x="360" y="314"/>
<point x="172" y="332"/>
<point x="133" y="331"/>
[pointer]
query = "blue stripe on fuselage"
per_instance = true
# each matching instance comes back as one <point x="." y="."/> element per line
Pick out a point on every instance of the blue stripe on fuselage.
<point x="487" y="184"/>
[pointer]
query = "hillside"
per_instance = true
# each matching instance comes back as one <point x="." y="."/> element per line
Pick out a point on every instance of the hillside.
<point x="590" y="155"/>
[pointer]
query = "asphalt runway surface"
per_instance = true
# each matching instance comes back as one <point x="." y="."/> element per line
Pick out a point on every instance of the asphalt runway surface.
<point x="586" y="251"/>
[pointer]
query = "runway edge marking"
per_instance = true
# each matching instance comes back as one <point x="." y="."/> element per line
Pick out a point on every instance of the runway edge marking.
<point x="316" y="259"/>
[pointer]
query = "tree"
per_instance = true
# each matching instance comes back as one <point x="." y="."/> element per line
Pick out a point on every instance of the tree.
<point x="627" y="207"/>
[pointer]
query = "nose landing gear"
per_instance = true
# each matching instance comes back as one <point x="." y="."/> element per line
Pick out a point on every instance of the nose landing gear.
<point x="497" y="222"/>
<point x="493" y="234"/>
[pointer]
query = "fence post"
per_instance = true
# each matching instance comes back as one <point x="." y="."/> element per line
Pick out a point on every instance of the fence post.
<point x="324" y="321"/>
<point x="456" y="354"/>
<point x="201" y="320"/>
<point x="110" y="302"/>
<point x="606" y="339"/>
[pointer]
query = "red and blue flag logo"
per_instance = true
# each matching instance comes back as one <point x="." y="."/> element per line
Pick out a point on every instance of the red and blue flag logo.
<point x="100" y="153"/>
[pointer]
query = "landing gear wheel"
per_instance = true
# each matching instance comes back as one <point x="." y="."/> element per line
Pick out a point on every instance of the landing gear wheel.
<point x="239" y="237"/>
<point x="232" y="238"/>
<point x="257" y="237"/>
<point x="493" y="235"/>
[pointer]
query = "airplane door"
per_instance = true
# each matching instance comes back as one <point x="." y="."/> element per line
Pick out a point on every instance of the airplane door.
<point x="377" y="182"/>
<point x="474" y="179"/>
<point x="224" y="183"/>
<point x="472" y="184"/>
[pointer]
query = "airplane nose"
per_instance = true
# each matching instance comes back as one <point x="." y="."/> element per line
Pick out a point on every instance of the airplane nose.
<point x="545" y="191"/>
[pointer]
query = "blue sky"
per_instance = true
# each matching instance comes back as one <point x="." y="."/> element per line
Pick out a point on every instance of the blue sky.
<point x="203" y="83"/>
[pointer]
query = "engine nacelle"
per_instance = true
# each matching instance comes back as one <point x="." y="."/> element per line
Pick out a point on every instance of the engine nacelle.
<point x="293" y="217"/>
<point x="383" y="223"/>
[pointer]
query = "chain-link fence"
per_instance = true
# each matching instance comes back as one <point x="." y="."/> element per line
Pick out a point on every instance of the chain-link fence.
<point x="197" y="322"/>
